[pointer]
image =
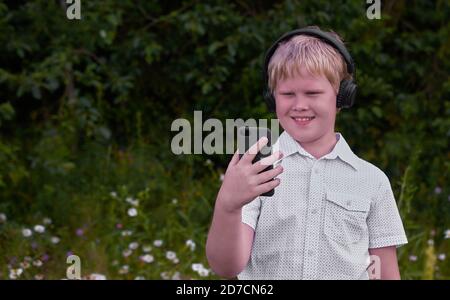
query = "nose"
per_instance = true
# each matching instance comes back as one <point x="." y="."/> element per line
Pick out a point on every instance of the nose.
<point x="300" y="103"/>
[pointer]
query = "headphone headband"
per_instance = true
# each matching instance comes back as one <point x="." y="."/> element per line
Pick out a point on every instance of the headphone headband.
<point x="323" y="36"/>
<point x="345" y="99"/>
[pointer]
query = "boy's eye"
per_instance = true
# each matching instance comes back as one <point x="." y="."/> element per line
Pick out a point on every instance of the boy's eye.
<point x="287" y="94"/>
<point x="313" y="93"/>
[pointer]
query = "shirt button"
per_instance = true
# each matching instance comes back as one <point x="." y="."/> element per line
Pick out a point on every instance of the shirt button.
<point x="310" y="252"/>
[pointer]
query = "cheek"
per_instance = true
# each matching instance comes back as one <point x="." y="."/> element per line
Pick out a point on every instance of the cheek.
<point x="282" y="105"/>
<point x="327" y="107"/>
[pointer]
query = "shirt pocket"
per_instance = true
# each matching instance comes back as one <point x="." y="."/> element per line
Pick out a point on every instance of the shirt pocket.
<point x="345" y="217"/>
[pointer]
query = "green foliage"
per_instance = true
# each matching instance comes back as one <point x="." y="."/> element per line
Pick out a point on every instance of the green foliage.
<point x="86" y="108"/>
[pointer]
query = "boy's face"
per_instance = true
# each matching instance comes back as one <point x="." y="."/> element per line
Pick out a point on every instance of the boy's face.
<point x="306" y="95"/>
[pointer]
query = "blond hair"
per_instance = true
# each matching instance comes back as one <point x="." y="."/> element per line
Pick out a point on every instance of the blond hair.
<point x="311" y="53"/>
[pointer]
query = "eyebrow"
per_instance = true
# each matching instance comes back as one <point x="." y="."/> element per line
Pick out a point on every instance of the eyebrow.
<point x="314" y="90"/>
<point x="307" y="90"/>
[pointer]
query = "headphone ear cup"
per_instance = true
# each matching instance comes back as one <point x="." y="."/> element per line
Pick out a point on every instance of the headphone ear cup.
<point x="347" y="94"/>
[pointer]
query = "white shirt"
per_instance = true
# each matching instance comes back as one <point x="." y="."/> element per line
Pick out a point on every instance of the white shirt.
<point x="323" y="217"/>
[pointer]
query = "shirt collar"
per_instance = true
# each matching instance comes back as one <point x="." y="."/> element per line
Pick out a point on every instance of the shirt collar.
<point x="289" y="146"/>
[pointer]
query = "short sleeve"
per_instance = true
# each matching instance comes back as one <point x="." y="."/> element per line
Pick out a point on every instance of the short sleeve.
<point x="384" y="222"/>
<point x="250" y="212"/>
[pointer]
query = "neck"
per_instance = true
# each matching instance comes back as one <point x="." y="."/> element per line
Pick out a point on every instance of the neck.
<point x="322" y="146"/>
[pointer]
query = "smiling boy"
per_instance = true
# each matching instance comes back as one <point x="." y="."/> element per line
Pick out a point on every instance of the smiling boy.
<point x="331" y="209"/>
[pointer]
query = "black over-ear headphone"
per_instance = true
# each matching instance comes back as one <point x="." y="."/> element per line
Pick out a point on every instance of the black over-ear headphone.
<point x="347" y="88"/>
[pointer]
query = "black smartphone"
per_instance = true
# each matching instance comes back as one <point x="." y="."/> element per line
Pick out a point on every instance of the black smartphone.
<point x="247" y="137"/>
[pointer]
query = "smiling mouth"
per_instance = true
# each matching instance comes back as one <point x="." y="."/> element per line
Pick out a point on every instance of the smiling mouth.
<point x="303" y="121"/>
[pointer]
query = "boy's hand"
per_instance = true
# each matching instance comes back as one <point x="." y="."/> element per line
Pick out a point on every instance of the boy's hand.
<point x="243" y="182"/>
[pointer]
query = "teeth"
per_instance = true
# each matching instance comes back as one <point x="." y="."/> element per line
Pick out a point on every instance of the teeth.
<point x="304" y="119"/>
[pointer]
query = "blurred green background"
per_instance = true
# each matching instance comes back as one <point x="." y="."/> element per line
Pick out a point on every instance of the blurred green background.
<point x="86" y="107"/>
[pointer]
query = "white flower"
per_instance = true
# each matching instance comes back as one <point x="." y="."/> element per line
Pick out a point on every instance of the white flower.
<point x="157" y="243"/>
<point x="139" y="278"/>
<point x="127" y="252"/>
<point x="170" y="255"/>
<point x="441" y="256"/>
<point x="3" y="218"/>
<point x="147" y="258"/>
<point x="133" y="246"/>
<point x="95" y="276"/>
<point x="132" y="212"/>
<point x="430" y="242"/>
<point x="208" y="162"/>
<point x="47" y="221"/>
<point x="437" y="190"/>
<point x="222" y="177"/>
<point x="176" y="276"/>
<point x="15" y="273"/>
<point x="447" y="234"/>
<point x="39" y="228"/>
<point x="146" y="248"/>
<point x="27" y="232"/>
<point x="25" y="265"/>
<point x="134" y="202"/>
<point x="175" y="260"/>
<point x="190" y="244"/>
<point x="55" y="240"/>
<point x="127" y="233"/>
<point x="124" y="269"/>
<point x="165" y="275"/>
<point x="38" y="276"/>
<point x="174" y="201"/>
<point x="37" y="263"/>
<point x="113" y="194"/>
<point x="203" y="272"/>
<point x="197" y="267"/>
<point x="27" y="258"/>
<point x="413" y="258"/>
<point x="115" y="262"/>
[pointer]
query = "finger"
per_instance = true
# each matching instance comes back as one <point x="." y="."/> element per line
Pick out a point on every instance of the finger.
<point x="235" y="159"/>
<point x="267" y="161"/>
<point x="265" y="187"/>
<point x="268" y="175"/>
<point x="253" y="150"/>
